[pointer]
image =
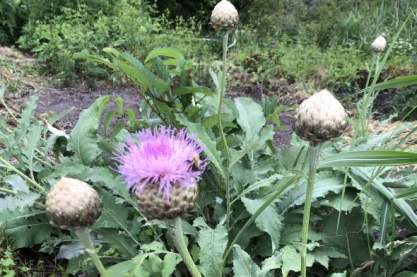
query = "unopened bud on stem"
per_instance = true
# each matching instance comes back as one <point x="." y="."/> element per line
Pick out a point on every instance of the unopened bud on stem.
<point x="224" y="16"/>
<point x="72" y="204"/>
<point x="379" y="44"/>
<point x="320" y="118"/>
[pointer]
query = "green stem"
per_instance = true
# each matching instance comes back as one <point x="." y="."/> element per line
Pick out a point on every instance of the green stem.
<point x="8" y="109"/>
<point x="181" y="246"/>
<point x="21" y="174"/>
<point x="8" y="191"/>
<point x="85" y="238"/>
<point x="313" y="156"/>
<point x="222" y="91"/>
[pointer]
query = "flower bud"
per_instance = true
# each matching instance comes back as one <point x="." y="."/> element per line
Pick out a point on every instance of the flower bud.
<point x="320" y="118"/>
<point x="154" y="205"/>
<point x="72" y="203"/>
<point x="224" y="16"/>
<point x="379" y="44"/>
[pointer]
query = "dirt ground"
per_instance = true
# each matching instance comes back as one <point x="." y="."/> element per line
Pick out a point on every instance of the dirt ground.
<point x="19" y="72"/>
<point x="16" y="69"/>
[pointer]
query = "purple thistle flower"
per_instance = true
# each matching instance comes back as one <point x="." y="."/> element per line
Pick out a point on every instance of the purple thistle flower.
<point x="161" y="156"/>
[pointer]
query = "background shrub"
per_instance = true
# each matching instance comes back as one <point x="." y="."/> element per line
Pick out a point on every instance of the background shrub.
<point x="12" y="14"/>
<point x="301" y="37"/>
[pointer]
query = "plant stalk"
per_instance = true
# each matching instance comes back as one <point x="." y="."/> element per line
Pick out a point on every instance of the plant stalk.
<point x="84" y="235"/>
<point x="181" y="246"/>
<point x="9" y="166"/>
<point x="222" y="91"/>
<point x="314" y="151"/>
<point x="7" y="191"/>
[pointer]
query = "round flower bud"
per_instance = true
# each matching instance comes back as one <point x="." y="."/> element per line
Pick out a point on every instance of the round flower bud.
<point x="379" y="44"/>
<point x="224" y="16"/>
<point x="154" y="205"/>
<point x="320" y="118"/>
<point x="72" y="203"/>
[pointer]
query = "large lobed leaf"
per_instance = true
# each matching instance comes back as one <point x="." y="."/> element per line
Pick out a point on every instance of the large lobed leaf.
<point x="212" y="244"/>
<point x="83" y="139"/>
<point x="250" y="117"/>
<point x="268" y="221"/>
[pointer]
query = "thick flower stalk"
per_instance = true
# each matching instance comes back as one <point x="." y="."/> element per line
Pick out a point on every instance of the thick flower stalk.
<point x="224" y="19"/>
<point x="224" y="16"/>
<point x="365" y="105"/>
<point x="74" y="205"/>
<point x="319" y="118"/>
<point x="162" y="167"/>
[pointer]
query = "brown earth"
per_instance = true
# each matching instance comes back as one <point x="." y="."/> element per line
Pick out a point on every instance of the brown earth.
<point x="19" y="71"/>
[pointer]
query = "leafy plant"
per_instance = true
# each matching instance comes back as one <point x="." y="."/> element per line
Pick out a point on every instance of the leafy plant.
<point x="249" y="217"/>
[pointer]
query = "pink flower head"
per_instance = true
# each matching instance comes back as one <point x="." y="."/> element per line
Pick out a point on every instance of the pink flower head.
<point x="161" y="156"/>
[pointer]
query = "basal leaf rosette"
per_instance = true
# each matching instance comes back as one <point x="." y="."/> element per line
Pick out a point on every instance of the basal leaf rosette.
<point x="72" y="204"/>
<point x="320" y="117"/>
<point x="224" y="16"/>
<point x="162" y="167"/>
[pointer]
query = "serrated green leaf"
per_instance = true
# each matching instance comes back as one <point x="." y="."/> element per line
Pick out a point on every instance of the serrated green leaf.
<point x="83" y="140"/>
<point x="17" y="183"/>
<point x="259" y="184"/>
<point x="250" y="117"/>
<point x="34" y="136"/>
<point x="118" y="241"/>
<point x="26" y="118"/>
<point x="27" y="232"/>
<point x="114" y="215"/>
<point x="18" y="201"/>
<point x="341" y="203"/>
<point x="290" y="260"/>
<point x="169" y="264"/>
<point x="243" y="265"/>
<point x="104" y="176"/>
<point x="271" y="263"/>
<point x="324" y="185"/>
<point x="212" y="244"/>
<point x="268" y="221"/>
<point x="122" y="269"/>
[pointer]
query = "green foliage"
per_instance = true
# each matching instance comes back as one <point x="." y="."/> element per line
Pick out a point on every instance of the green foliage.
<point x="212" y="243"/>
<point x="356" y="205"/>
<point x="12" y="14"/>
<point x="56" y="40"/>
<point x="127" y="25"/>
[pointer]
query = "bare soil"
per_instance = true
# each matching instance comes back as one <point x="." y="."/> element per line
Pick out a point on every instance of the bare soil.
<point x="19" y="71"/>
